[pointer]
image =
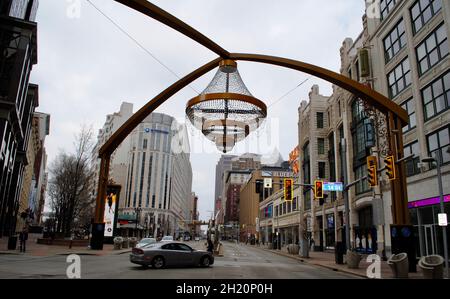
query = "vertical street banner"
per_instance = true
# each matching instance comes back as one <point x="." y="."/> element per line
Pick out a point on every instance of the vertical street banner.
<point x="111" y="207"/>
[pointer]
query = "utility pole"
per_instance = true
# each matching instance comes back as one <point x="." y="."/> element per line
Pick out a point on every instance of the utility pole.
<point x="345" y="193"/>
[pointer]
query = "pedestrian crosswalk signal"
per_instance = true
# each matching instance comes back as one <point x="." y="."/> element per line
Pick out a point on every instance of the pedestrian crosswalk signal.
<point x="318" y="189"/>
<point x="389" y="163"/>
<point x="288" y="189"/>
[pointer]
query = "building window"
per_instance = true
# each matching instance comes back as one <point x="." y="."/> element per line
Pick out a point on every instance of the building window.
<point x="322" y="170"/>
<point x="439" y="141"/>
<point x="363" y="185"/>
<point x="321" y="146"/>
<point x="412" y="167"/>
<point x="411" y="109"/>
<point x="306" y="164"/>
<point x="144" y="144"/>
<point x="422" y="11"/>
<point x="432" y="50"/>
<point x="331" y="158"/>
<point x="294" y="204"/>
<point x="363" y="135"/>
<point x="320" y="124"/>
<point x="386" y="7"/>
<point x="394" y="41"/>
<point x="339" y="108"/>
<point x="436" y="96"/>
<point x="399" y="78"/>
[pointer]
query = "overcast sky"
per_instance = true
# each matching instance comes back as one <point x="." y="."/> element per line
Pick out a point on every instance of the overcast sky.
<point x="87" y="67"/>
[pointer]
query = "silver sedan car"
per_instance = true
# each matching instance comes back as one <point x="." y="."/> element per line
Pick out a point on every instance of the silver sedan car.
<point x="160" y="255"/>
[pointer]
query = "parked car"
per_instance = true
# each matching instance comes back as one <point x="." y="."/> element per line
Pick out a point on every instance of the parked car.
<point x="197" y="239"/>
<point x="167" y="239"/>
<point x="160" y="255"/>
<point x="146" y="241"/>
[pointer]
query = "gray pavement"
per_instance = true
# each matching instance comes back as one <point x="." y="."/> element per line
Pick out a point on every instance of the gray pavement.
<point x="238" y="262"/>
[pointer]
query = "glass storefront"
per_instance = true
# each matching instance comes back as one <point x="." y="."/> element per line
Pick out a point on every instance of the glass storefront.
<point x="424" y="216"/>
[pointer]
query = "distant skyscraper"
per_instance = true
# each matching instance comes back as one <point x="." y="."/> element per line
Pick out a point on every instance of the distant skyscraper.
<point x="224" y="164"/>
<point x="159" y="176"/>
<point x="119" y="158"/>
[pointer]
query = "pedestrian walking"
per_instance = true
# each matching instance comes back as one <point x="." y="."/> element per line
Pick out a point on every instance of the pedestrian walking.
<point x="210" y="246"/>
<point x="23" y="237"/>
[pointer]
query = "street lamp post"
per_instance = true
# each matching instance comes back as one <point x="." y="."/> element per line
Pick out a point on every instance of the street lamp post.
<point x="441" y="197"/>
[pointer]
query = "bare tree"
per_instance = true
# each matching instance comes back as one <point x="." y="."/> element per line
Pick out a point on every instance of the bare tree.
<point x="71" y="178"/>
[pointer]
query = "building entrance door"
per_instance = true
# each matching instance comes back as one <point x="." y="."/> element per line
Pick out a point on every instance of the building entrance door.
<point x="430" y="237"/>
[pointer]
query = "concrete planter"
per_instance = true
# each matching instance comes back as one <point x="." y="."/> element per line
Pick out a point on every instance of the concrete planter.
<point x="353" y="259"/>
<point x="118" y="243"/>
<point x="432" y="266"/>
<point x="125" y="243"/>
<point x="133" y="242"/>
<point x="399" y="265"/>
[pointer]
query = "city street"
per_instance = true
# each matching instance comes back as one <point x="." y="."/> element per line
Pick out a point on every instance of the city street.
<point x="238" y="262"/>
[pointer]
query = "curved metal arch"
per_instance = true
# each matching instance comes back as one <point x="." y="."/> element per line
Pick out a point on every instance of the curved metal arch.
<point x="149" y="9"/>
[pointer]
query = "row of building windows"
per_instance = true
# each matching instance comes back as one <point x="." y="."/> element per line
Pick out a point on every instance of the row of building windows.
<point x="432" y="50"/>
<point x="399" y="78"/>
<point x="436" y="96"/>
<point x="285" y="208"/>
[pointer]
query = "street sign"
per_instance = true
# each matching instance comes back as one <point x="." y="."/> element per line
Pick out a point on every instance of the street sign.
<point x="442" y="219"/>
<point x="337" y="186"/>
<point x="268" y="183"/>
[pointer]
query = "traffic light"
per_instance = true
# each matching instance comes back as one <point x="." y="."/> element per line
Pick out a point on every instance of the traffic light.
<point x="318" y="189"/>
<point x="288" y="189"/>
<point x="372" y="176"/>
<point x="389" y="163"/>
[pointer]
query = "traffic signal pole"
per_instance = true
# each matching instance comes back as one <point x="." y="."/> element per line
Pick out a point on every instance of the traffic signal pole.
<point x="345" y="194"/>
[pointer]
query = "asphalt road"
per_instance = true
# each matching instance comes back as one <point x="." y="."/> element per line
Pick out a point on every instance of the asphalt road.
<point x="238" y="262"/>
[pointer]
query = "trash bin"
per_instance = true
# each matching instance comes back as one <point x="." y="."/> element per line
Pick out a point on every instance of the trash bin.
<point x="12" y="243"/>
<point x="432" y="266"/>
<point x="339" y="253"/>
<point x="399" y="265"/>
<point x="353" y="259"/>
<point x="133" y="242"/>
<point x="118" y="243"/>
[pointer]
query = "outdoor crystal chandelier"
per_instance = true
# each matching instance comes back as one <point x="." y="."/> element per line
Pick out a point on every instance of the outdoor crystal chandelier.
<point x="226" y="112"/>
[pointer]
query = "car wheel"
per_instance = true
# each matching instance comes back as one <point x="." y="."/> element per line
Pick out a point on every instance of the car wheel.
<point x="158" y="262"/>
<point x="205" y="262"/>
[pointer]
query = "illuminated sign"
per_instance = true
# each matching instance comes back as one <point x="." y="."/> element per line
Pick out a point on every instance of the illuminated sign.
<point x="333" y="186"/>
<point x="427" y="202"/>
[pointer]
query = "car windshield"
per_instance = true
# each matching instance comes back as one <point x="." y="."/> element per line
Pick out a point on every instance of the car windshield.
<point x="167" y="238"/>
<point x="147" y="240"/>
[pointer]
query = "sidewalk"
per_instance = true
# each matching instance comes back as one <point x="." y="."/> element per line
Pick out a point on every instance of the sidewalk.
<point x="34" y="249"/>
<point x="327" y="260"/>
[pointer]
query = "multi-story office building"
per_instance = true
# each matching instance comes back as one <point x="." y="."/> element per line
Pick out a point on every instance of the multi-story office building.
<point x="119" y="158"/>
<point x="409" y="49"/>
<point x="34" y="182"/>
<point x="18" y="99"/>
<point x="159" y="177"/>
<point x="40" y="168"/>
<point x="245" y="162"/>
<point x="224" y="164"/>
<point x="403" y="55"/>
<point x="253" y="193"/>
